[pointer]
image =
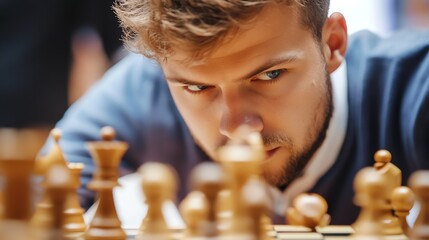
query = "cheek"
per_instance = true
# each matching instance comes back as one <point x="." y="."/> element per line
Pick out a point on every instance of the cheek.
<point x="199" y="116"/>
<point x="294" y="111"/>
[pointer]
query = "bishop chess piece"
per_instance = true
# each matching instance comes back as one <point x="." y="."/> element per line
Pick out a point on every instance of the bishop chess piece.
<point x="107" y="155"/>
<point x="42" y="217"/>
<point x="309" y="210"/>
<point x="393" y="178"/>
<point x="419" y="183"/>
<point x="159" y="184"/>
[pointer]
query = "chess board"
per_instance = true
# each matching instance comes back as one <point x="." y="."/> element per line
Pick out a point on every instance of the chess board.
<point x="289" y="232"/>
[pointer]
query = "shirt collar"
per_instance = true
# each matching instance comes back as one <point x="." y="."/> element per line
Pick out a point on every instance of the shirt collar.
<point x="325" y="156"/>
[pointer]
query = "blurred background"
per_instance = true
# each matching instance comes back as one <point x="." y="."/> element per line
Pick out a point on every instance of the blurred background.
<point x="52" y="51"/>
<point x="383" y="16"/>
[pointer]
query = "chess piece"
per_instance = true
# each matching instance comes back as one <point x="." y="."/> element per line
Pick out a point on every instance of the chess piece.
<point x="159" y="184"/>
<point x="55" y="155"/>
<point x="393" y="178"/>
<point x="419" y="183"/>
<point x="17" y="199"/>
<point x="42" y="216"/>
<point x="18" y="149"/>
<point x="223" y="209"/>
<point x="370" y="195"/>
<point x="74" y="223"/>
<point x="241" y="160"/>
<point x="256" y="202"/>
<point x="309" y="210"/>
<point x="209" y="178"/>
<point x="195" y="212"/>
<point x="402" y="202"/>
<point x="58" y="184"/>
<point x="107" y="155"/>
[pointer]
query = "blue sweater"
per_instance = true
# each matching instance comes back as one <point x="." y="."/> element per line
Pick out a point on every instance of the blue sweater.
<point x="388" y="98"/>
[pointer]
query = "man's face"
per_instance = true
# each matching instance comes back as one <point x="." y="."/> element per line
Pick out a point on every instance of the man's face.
<point x="271" y="76"/>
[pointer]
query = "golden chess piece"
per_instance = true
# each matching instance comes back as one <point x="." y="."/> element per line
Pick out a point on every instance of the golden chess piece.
<point x="309" y="210"/>
<point x="107" y="155"/>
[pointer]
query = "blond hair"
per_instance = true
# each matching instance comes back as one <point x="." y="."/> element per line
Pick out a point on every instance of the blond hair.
<point x="156" y="27"/>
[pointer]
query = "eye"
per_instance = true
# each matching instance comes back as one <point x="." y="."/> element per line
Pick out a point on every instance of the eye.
<point x="270" y="75"/>
<point x="195" y="88"/>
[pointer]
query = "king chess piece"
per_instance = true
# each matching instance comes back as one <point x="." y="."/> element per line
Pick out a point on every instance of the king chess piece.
<point x="242" y="159"/>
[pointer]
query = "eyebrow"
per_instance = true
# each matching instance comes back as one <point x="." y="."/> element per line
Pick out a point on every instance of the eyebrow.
<point x="265" y="66"/>
<point x="271" y="63"/>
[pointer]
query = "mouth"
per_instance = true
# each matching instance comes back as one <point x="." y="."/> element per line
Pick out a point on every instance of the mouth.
<point x="271" y="152"/>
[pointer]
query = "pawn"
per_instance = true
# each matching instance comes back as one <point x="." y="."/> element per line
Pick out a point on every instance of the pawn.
<point x="383" y="164"/>
<point x="209" y="178"/>
<point x="309" y="210"/>
<point x="58" y="184"/>
<point x="370" y="197"/>
<point x="419" y="183"/>
<point x="402" y="202"/>
<point x="195" y="212"/>
<point x="257" y="204"/>
<point x="392" y="179"/>
<point x="74" y="223"/>
<point x="159" y="185"/>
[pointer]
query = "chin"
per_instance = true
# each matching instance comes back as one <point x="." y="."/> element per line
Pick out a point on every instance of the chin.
<point x="273" y="171"/>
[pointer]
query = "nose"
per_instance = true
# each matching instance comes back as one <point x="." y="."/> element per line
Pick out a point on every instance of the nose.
<point x="234" y="126"/>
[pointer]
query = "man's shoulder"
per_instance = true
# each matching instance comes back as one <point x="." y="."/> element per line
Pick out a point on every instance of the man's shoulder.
<point x="135" y="65"/>
<point x="400" y="44"/>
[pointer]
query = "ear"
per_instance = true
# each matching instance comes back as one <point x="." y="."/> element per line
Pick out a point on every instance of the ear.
<point x="334" y="41"/>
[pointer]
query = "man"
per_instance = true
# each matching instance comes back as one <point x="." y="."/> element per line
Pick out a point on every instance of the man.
<point x="276" y="67"/>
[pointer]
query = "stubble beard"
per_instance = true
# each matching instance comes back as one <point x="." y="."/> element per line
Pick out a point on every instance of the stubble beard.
<point x="294" y="167"/>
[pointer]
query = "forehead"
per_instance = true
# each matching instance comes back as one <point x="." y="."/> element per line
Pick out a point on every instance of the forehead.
<point x="273" y="20"/>
<point x="276" y="27"/>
